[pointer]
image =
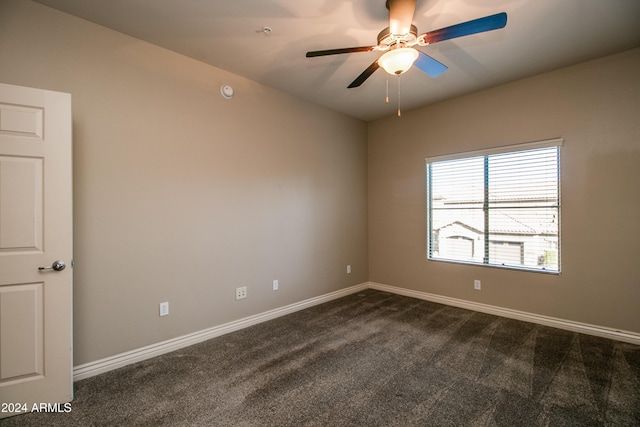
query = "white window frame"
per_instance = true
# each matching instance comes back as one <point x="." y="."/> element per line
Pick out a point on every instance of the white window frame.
<point x="556" y="142"/>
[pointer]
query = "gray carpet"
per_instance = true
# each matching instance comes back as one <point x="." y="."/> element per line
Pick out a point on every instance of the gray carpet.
<point x="371" y="359"/>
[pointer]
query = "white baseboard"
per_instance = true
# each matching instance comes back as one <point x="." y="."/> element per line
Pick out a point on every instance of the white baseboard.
<point x="119" y="360"/>
<point x="583" y="328"/>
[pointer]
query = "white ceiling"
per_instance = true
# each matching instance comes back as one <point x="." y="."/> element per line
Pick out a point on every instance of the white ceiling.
<point x="540" y="35"/>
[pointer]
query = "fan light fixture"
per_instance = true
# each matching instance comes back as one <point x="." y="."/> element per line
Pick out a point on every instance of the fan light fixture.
<point x="397" y="61"/>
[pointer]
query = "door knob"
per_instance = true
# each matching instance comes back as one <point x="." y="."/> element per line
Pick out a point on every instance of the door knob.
<point x="56" y="266"/>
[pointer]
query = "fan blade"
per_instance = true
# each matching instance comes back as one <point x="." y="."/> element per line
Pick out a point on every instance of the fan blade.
<point x="429" y="65"/>
<point x="400" y="15"/>
<point x="365" y="75"/>
<point x="488" y="23"/>
<point x="339" y="51"/>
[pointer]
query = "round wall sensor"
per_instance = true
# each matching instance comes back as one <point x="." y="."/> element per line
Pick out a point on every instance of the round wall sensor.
<point x="226" y="91"/>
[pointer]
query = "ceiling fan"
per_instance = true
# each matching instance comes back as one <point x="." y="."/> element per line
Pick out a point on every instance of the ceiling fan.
<point x="400" y="37"/>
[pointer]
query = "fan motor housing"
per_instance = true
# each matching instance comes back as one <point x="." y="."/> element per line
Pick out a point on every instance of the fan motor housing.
<point x="386" y="39"/>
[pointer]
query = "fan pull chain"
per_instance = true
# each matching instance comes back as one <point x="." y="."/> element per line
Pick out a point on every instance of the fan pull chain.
<point x="387" y="98"/>
<point x="399" y="114"/>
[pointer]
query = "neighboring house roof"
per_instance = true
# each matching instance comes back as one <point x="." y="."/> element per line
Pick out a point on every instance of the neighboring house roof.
<point x="516" y="221"/>
<point x="462" y="224"/>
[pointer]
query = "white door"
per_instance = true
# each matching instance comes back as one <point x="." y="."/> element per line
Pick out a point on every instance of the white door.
<point x="35" y="231"/>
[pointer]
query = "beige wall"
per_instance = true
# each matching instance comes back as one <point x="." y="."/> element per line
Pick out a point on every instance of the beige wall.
<point x="595" y="107"/>
<point x="182" y="196"/>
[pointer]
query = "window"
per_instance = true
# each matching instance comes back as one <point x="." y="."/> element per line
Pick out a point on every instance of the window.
<point x="497" y="207"/>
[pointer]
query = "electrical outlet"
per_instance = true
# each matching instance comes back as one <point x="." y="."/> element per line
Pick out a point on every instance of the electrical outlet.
<point x="349" y="269"/>
<point x="164" y="309"/>
<point x="476" y="285"/>
<point x="275" y="285"/>
<point x="241" y="293"/>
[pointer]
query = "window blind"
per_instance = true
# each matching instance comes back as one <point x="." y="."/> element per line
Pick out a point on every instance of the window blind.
<point x="499" y="208"/>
